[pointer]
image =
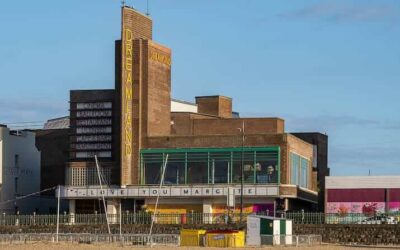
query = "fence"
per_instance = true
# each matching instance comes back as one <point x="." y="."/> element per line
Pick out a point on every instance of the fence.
<point x="125" y="239"/>
<point x="344" y="218"/>
<point x="143" y="218"/>
<point x="157" y="239"/>
<point x="291" y="240"/>
<point x="125" y="218"/>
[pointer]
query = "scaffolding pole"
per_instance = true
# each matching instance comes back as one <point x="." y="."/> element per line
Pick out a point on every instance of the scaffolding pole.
<point x="158" y="197"/>
<point x="102" y="193"/>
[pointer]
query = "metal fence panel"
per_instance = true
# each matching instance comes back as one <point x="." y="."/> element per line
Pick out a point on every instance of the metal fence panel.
<point x="144" y="218"/>
<point x="291" y="240"/>
<point x="126" y="239"/>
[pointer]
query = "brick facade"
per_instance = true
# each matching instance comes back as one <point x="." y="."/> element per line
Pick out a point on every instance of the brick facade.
<point x="220" y="106"/>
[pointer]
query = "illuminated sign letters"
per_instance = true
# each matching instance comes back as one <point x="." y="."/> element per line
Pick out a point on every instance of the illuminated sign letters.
<point x="128" y="93"/>
<point x="158" y="57"/>
<point x="126" y="98"/>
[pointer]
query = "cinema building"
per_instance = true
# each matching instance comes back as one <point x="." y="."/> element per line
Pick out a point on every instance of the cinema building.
<point x="136" y="128"/>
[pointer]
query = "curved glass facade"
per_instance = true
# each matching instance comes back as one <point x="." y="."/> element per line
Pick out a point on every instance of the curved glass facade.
<point x="210" y="165"/>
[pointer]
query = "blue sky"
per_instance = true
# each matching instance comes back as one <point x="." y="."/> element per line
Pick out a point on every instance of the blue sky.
<point x="327" y="66"/>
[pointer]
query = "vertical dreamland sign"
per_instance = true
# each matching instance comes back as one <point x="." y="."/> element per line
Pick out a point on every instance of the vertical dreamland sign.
<point x="134" y="25"/>
<point x="126" y="99"/>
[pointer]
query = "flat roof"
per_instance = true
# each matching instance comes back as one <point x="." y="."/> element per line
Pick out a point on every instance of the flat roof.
<point x="211" y="96"/>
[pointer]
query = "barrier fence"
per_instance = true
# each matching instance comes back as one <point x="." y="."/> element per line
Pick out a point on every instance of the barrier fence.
<point x="125" y="218"/>
<point x="125" y="239"/>
<point x="291" y="240"/>
<point x="344" y="218"/>
<point x="144" y="218"/>
<point x="157" y="239"/>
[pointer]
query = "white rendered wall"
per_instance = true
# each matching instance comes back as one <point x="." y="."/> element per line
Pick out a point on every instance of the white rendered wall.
<point x="177" y="106"/>
<point x="349" y="182"/>
<point x="27" y="171"/>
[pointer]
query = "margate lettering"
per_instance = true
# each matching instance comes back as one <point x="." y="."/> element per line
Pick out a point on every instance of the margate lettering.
<point x="155" y="56"/>
<point x="263" y="191"/>
<point x="128" y="92"/>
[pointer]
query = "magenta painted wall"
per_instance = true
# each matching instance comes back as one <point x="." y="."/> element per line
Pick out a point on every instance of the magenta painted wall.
<point x="365" y="201"/>
<point x="394" y="206"/>
<point x="355" y="207"/>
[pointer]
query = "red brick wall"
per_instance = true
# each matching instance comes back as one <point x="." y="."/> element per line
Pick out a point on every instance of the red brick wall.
<point x="141" y="25"/>
<point x="220" y="106"/>
<point x="158" y="113"/>
<point x="197" y="124"/>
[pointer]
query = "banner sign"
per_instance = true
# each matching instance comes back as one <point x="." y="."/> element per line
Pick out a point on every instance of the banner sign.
<point x="137" y="192"/>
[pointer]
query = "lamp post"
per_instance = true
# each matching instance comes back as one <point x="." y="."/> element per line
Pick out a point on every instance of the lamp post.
<point x="241" y="173"/>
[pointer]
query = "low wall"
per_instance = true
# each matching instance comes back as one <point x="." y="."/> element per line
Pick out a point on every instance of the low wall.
<point x="102" y="229"/>
<point x="359" y="234"/>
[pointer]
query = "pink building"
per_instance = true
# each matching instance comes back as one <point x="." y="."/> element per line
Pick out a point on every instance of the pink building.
<point x="362" y="194"/>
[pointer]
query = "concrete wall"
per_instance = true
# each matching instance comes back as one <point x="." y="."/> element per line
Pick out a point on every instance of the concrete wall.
<point x="346" y="234"/>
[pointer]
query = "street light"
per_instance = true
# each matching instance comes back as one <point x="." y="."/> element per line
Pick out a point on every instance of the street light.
<point x="241" y="173"/>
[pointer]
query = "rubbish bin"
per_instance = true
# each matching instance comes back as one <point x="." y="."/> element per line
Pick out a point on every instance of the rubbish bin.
<point x="225" y="238"/>
<point x="192" y="237"/>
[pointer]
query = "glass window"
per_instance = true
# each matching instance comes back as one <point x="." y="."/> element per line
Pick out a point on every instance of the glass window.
<point x="152" y="168"/>
<point x="248" y="167"/>
<point x="266" y="167"/>
<point x="210" y="166"/>
<point x="152" y="173"/>
<point x="175" y="169"/>
<point x="197" y="168"/>
<point x="304" y="173"/>
<point x="299" y="170"/>
<point x="220" y="167"/>
<point x="294" y="168"/>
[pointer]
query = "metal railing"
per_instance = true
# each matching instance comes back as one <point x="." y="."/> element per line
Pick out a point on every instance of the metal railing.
<point x="125" y="218"/>
<point x="144" y="218"/>
<point x="125" y="239"/>
<point x="340" y="218"/>
<point x="291" y="240"/>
